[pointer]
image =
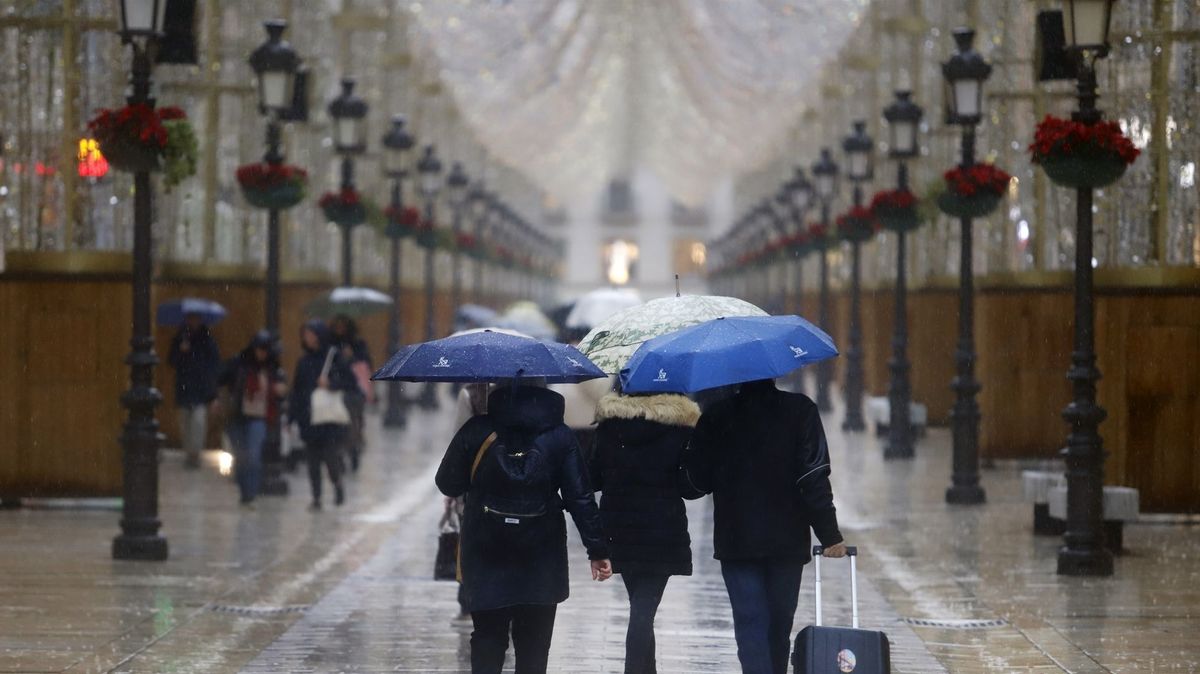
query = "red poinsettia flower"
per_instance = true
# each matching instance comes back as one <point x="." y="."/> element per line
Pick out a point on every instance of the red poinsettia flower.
<point x="138" y="123"/>
<point x="893" y="200"/>
<point x="464" y="240"/>
<point x="818" y="230"/>
<point x="263" y="176"/>
<point x="979" y="179"/>
<point x="855" y="217"/>
<point x="1056" y="137"/>
<point x="408" y="216"/>
<point x="345" y="198"/>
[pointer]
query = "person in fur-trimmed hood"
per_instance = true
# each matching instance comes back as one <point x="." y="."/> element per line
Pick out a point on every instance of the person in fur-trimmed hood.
<point x="640" y="440"/>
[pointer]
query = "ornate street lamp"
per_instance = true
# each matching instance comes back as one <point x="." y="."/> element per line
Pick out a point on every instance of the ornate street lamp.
<point x="141" y="28"/>
<point x="825" y="179"/>
<point x="429" y="170"/>
<point x="457" y="185"/>
<point x="965" y="72"/>
<point x="1084" y="552"/>
<point x="275" y="64"/>
<point x="479" y="207"/>
<point x="397" y="155"/>
<point x="858" y="147"/>
<point x="349" y="113"/>
<point x="904" y="121"/>
<point x="142" y="19"/>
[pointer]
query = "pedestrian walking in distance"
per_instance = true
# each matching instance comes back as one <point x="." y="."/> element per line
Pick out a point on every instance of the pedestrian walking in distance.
<point x="354" y="352"/>
<point x="763" y="457"/>
<point x="197" y="362"/>
<point x="256" y="386"/>
<point x="519" y="467"/>
<point x="322" y="442"/>
<point x="640" y="440"/>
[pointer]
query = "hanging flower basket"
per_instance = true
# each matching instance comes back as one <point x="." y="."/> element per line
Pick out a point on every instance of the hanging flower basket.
<point x="273" y="187"/>
<point x="896" y="210"/>
<point x="427" y="235"/>
<point x="1085" y="156"/>
<point x="818" y="237"/>
<point x="139" y="138"/>
<point x="973" y="191"/>
<point x="800" y="245"/>
<point x="401" y="223"/>
<point x="466" y="243"/>
<point x="856" y="225"/>
<point x="344" y="208"/>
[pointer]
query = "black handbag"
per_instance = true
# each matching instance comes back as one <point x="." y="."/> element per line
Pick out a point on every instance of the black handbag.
<point x="445" y="565"/>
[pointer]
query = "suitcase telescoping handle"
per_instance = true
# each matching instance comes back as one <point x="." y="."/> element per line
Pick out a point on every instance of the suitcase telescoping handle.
<point x="852" y="553"/>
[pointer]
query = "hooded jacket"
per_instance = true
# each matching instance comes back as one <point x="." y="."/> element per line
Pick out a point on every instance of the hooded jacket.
<point x="304" y="382"/>
<point x="762" y="455"/>
<point x="514" y="537"/>
<point x="236" y="373"/>
<point x="197" y="369"/>
<point x="639" y="443"/>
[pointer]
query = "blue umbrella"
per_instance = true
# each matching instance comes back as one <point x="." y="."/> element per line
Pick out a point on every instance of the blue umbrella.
<point x="175" y="311"/>
<point x="487" y="356"/>
<point x="725" y="351"/>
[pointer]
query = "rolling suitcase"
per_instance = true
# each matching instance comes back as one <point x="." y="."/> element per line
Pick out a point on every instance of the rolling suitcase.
<point x="840" y="650"/>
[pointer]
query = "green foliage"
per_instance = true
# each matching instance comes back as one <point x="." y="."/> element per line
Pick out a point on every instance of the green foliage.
<point x="181" y="153"/>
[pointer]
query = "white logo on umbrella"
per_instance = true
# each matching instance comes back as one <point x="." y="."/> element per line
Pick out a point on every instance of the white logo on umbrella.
<point x="442" y="362"/>
<point x="800" y="353"/>
<point x="574" y="362"/>
<point x="662" y="376"/>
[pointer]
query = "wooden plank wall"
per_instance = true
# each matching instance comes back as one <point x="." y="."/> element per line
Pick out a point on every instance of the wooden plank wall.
<point x="64" y="341"/>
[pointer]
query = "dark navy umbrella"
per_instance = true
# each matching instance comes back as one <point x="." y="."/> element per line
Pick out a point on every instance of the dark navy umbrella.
<point x="725" y="351"/>
<point x="487" y="356"/>
<point x="175" y="311"/>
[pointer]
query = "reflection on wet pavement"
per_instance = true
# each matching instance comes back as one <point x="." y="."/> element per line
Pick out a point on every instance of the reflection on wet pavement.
<point x="281" y="589"/>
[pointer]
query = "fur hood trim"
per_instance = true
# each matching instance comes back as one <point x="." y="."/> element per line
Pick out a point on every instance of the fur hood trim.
<point x="668" y="408"/>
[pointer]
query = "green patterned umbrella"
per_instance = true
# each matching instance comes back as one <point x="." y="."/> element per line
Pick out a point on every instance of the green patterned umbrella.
<point x="611" y="344"/>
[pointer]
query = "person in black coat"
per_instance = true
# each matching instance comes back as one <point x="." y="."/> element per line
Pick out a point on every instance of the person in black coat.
<point x="257" y="386"/>
<point x="353" y="350"/>
<point x="640" y="441"/>
<point x="197" y="362"/>
<point x="762" y="455"/>
<point x="322" y="442"/>
<point x="513" y="556"/>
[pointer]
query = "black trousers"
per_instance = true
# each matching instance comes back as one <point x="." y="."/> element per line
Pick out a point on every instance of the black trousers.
<point x="645" y="594"/>
<point x="329" y="454"/>
<point x="531" y="625"/>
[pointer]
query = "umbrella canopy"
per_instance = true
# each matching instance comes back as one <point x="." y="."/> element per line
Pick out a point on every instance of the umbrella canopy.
<point x="349" y="301"/>
<point x="725" y="351"/>
<point x="175" y="311"/>
<point x="599" y="304"/>
<point x="611" y="343"/>
<point x="475" y="315"/>
<point x="526" y="317"/>
<point x="488" y="356"/>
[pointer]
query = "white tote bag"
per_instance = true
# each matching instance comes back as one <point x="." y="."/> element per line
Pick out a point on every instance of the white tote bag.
<point x="328" y="407"/>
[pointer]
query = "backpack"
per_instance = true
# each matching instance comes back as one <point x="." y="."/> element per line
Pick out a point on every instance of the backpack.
<point x="519" y="480"/>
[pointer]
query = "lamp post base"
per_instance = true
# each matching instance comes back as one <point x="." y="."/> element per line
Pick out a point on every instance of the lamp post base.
<point x="965" y="495"/>
<point x="394" y="416"/>
<point x="151" y="548"/>
<point x="1096" y="561"/>
<point x="428" y="399"/>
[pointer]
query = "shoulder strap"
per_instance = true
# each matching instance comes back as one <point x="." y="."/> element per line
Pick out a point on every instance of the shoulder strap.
<point x="482" y="450"/>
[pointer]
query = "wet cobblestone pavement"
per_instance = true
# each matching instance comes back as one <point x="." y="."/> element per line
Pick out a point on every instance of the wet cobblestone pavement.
<point x="280" y="589"/>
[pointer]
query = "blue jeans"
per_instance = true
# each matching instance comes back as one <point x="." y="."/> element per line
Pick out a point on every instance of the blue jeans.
<point x="763" y="594"/>
<point x="247" y="437"/>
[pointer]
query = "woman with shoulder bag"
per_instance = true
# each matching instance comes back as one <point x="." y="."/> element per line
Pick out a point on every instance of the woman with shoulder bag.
<point x="519" y="467"/>
<point x="323" y="372"/>
<point x="254" y="385"/>
<point x="640" y="440"/>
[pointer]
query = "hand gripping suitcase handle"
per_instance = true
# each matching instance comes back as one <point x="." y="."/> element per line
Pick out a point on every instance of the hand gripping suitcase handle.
<point x="852" y="553"/>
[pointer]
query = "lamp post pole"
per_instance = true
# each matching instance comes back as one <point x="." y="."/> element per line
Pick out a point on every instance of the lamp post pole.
<point x="825" y="177"/>
<point x="904" y="118"/>
<point x="430" y="168"/>
<point x="900" y="438"/>
<point x="483" y="210"/>
<point x="858" y="147"/>
<point x="965" y="488"/>
<point x="347" y="229"/>
<point x="397" y="145"/>
<point x="1084" y="552"/>
<point x="140" y="440"/>
<point x="273" y="482"/>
